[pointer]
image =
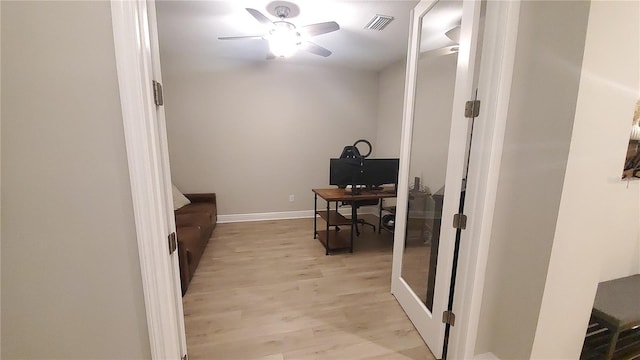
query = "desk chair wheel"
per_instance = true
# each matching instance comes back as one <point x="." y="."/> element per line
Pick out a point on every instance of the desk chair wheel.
<point x="358" y="204"/>
<point x="363" y="222"/>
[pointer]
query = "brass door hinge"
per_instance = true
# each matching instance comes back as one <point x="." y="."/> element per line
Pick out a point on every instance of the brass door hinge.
<point x="460" y="221"/>
<point x="158" y="99"/>
<point x="448" y="317"/>
<point x="173" y="243"/>
<point x="472" y="109"/>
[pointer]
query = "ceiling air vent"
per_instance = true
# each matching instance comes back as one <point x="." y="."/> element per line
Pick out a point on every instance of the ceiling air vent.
<point x="379" y="22"/>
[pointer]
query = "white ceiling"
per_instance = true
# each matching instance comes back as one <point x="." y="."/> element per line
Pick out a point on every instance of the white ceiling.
<point x="189" y="32"/>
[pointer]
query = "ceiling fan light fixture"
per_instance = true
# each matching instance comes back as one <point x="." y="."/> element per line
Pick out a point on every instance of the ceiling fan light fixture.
<point x="282" y="48"/>
<point x="283" y="39"/>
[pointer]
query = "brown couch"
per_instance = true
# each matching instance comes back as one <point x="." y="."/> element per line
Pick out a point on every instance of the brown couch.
<point x="194" y="224"/>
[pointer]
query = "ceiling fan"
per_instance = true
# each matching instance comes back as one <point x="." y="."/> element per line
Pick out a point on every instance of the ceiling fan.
<point x="284" y="38"/>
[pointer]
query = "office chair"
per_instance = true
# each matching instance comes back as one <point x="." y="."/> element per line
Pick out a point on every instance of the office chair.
<point x="352" y="152"/>
<point x="358" y="204"/>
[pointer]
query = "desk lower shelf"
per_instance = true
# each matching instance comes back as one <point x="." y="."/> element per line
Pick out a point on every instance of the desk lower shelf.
<point x="334" y="240"/>
<point x="334" y="218"/>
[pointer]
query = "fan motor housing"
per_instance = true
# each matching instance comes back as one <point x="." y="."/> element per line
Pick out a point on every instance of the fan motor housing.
<point x="283" y="9"/>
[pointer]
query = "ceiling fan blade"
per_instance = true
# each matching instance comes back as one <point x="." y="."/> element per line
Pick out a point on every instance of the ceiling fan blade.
<point x="240" y="37"/>
<point x="320" y="28"/>
<point x="439" y="52"/>
<point x="317" y="49"/>
<point x="261" y="18"/>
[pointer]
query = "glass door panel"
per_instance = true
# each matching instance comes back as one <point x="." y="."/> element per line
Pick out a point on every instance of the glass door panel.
<point x="435" y="85"/>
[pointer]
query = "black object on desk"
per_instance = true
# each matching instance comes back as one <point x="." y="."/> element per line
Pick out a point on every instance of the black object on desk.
<point x="359" y="172"/>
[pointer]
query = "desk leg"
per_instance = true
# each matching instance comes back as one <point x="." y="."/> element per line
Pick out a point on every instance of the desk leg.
<point x="612" y="345"/>
<point x="326" y="252"/>
<point x="315" y="215"/>
<point x="354" y="217"/>
<point x="380" y="216"/>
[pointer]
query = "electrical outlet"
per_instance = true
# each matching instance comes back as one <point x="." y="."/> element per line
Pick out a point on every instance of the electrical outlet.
<point x="292" y="198"/>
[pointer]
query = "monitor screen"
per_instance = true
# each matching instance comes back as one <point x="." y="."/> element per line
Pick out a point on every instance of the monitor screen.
<point x="343" y="172"/>
<point x="377" y="172"/>
<point x="367" y="172"/>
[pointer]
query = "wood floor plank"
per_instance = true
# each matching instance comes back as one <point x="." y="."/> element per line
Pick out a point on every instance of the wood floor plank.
<point x="265" y="290"/>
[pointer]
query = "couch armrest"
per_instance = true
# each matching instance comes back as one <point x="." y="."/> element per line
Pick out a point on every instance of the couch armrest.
<point x="204" y="197"/>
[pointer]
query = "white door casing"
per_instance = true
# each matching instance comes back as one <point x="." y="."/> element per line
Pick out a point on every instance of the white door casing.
<point x="164" y="160"/>
<point x="135" y="41"/>
<point x="495" y="73"/>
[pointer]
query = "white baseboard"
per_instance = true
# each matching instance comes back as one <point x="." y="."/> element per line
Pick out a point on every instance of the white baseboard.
<point x="265" y="216"/>
<point x="367" y="210"/>
<point x="283" y="215"/>
<point x="486" y="356"/>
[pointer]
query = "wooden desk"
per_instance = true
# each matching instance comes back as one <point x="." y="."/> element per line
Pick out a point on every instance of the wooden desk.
<point x="617" y="309"/>
<point x="334" y="239"/>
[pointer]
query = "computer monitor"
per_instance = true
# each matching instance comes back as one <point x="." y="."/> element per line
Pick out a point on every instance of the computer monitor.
<point x="343" y="172"/>
<point x="365" y="172"/>
<point x="377" y="172"/>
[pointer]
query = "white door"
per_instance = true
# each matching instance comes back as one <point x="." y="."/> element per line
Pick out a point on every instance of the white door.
<point x="434" y="156"/>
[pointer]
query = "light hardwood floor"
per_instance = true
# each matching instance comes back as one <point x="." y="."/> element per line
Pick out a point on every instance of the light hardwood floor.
<point x="265" y="290"/>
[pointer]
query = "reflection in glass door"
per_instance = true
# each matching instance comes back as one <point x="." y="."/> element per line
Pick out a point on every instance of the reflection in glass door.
<point x="435" y="83"/>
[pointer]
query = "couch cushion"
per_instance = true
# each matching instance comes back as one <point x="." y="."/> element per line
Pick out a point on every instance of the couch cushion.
<point x="207" y="208"/>
<point x="198" y="219"/>
<point x="189" y="235"/>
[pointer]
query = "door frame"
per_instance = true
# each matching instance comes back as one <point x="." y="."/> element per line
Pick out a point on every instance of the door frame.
<point x="135" y="40"/>
<point x="134" y="62"/>
<point x="496" y="70"/>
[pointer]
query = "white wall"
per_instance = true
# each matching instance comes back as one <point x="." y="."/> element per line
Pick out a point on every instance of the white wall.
<point x="536" y="146"/>
<point x="598" y="216"/>
<point x="257" y="134"/>
<point x="390" y="102"/>
<point x="71" y="284"/>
